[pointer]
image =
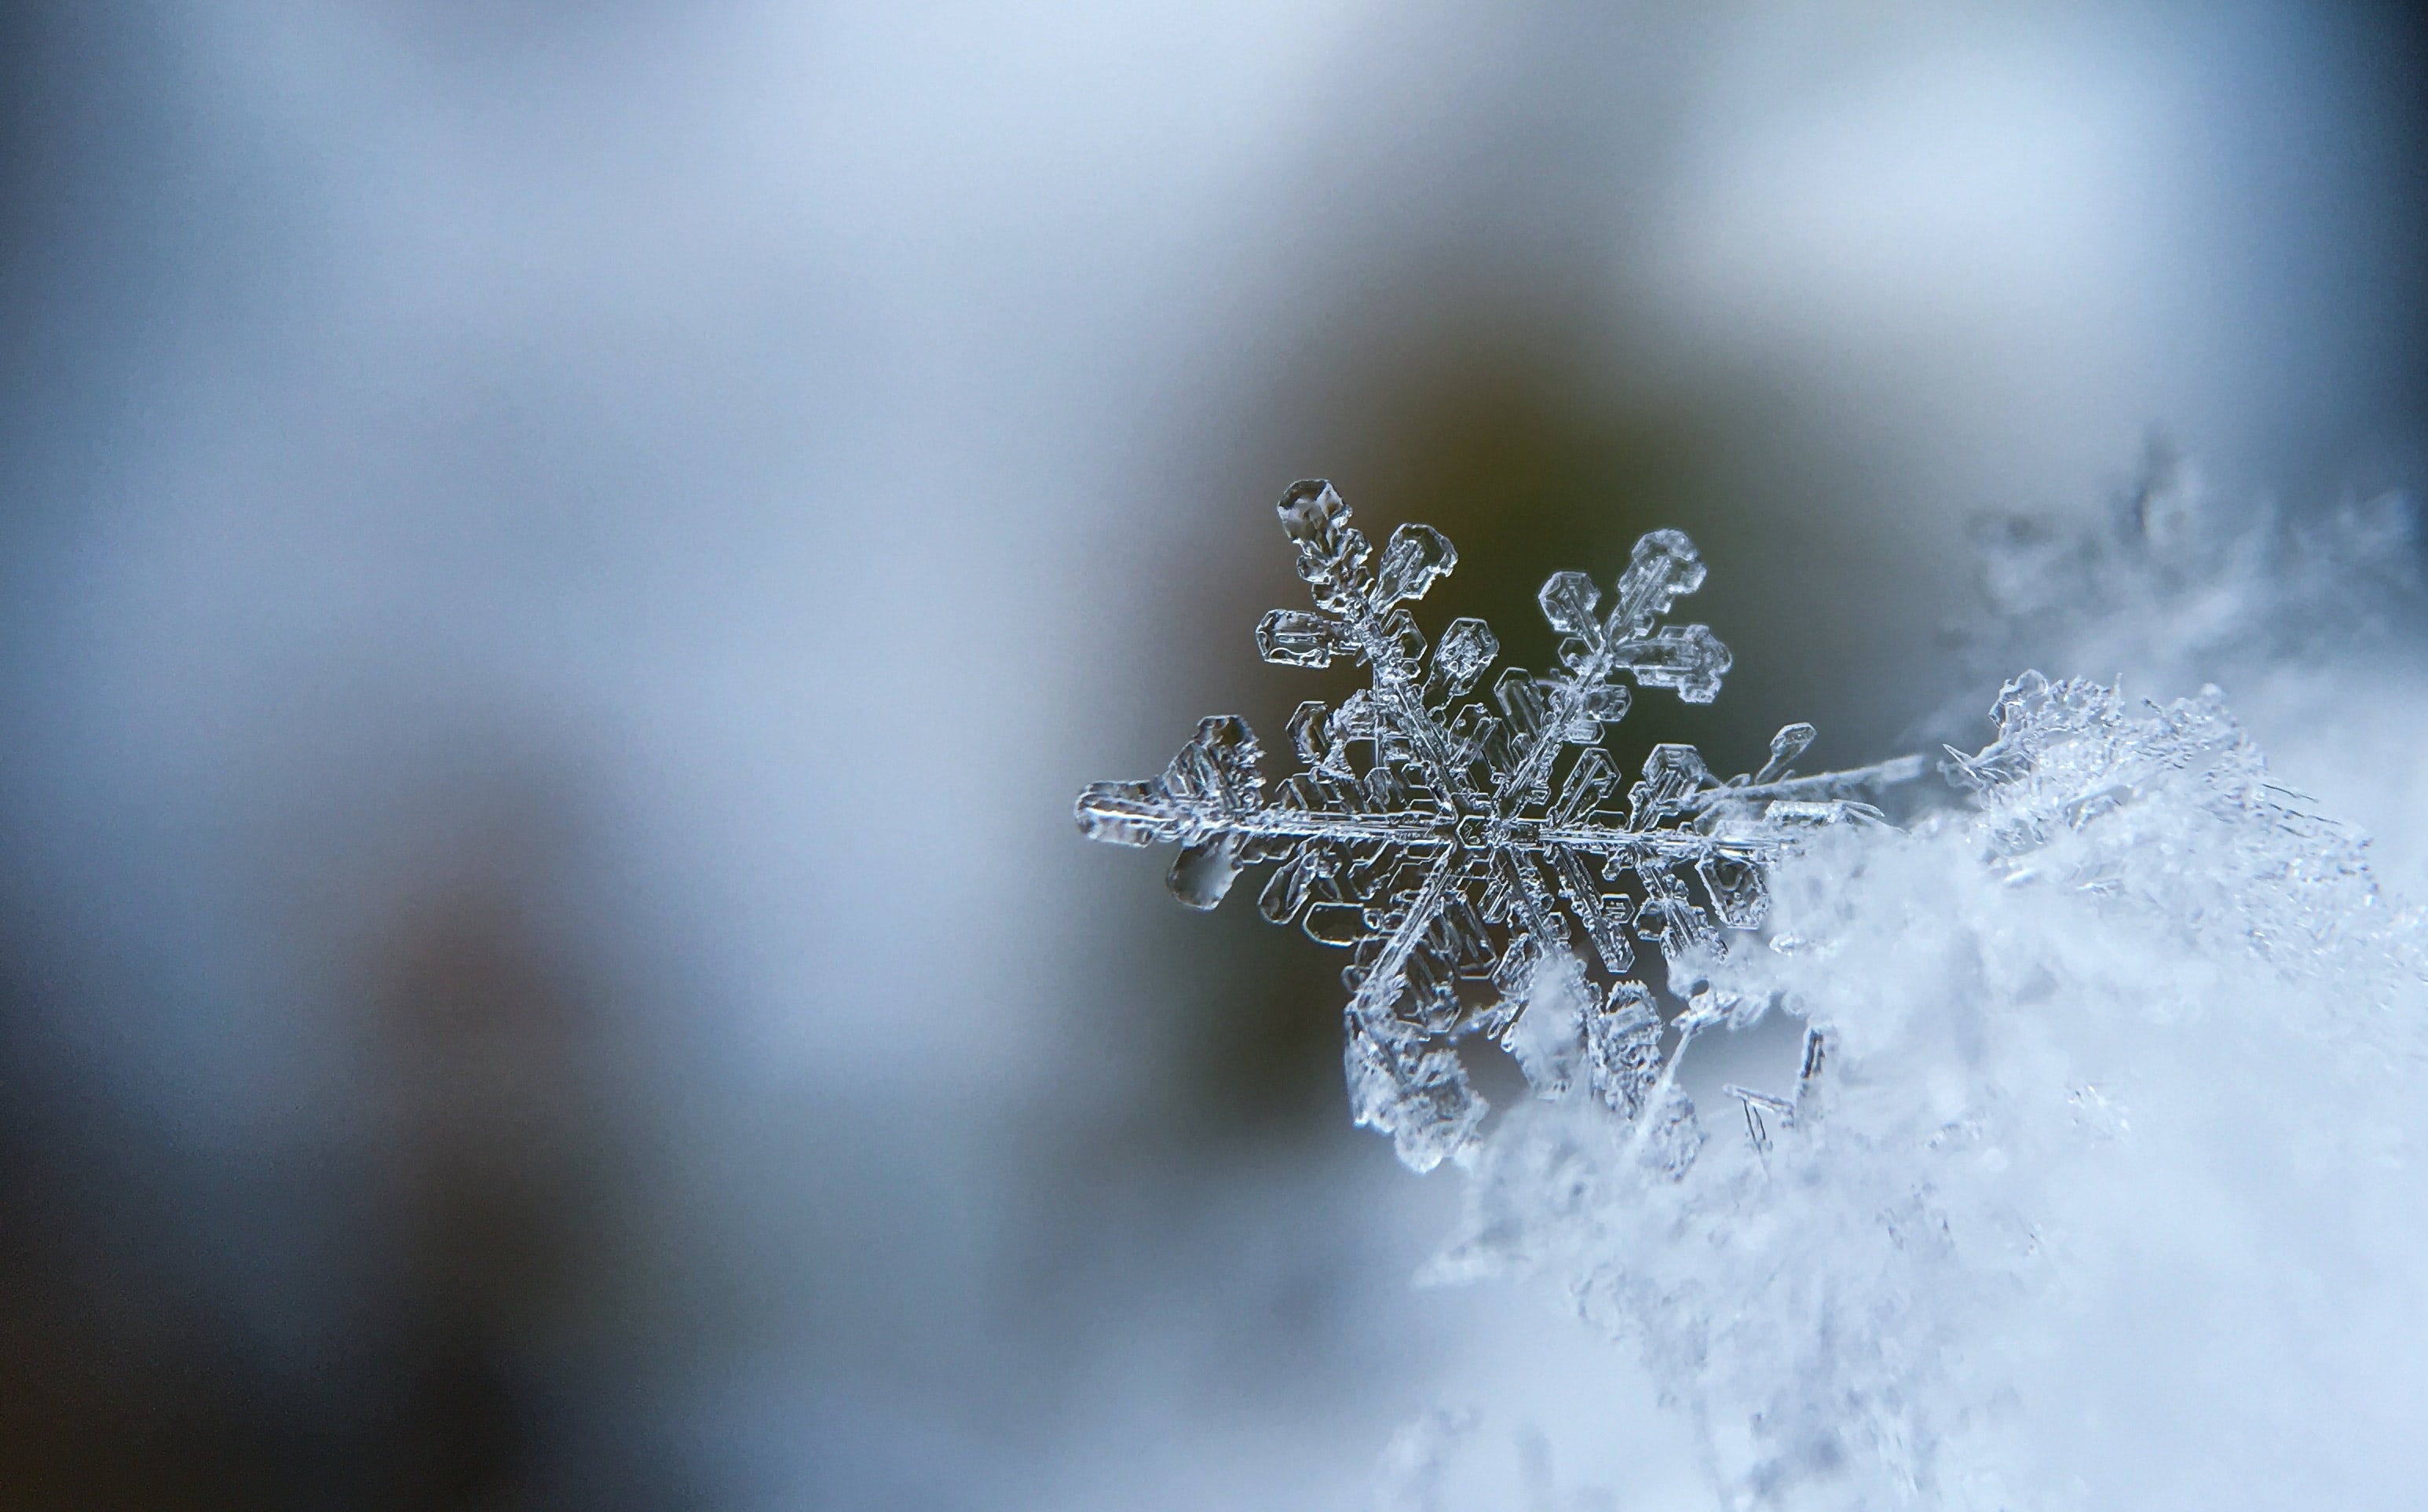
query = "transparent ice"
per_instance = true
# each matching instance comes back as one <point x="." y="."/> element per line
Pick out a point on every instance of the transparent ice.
<point x="1466" y="852"/>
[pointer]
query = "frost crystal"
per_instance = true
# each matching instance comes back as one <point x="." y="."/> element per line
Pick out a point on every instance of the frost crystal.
<point x="1458" y="849"/>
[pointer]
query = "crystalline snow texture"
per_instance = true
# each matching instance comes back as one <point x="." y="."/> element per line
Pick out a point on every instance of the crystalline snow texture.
<point x="2130" y="1001"/>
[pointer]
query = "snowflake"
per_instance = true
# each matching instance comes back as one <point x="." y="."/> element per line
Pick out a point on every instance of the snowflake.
<point x="1458" y="853"/>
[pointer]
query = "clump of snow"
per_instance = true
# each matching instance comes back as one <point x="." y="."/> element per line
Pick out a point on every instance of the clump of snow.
<point x="2101" y="1184"/>
<point x="2311" y="619"/>
<point x="2175" y="584"/>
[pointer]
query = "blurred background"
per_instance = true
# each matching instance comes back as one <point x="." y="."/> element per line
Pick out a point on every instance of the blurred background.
<point x="564" y="562"/>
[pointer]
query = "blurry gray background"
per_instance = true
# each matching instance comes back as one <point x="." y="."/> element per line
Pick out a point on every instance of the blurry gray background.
<point x="565" y="560"/>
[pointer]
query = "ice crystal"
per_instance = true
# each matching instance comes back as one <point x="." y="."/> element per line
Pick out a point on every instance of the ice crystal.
<point x="1475" y="858"/>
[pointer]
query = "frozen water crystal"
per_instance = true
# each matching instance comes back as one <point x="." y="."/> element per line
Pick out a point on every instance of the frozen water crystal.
<point x="1472" y="857"/>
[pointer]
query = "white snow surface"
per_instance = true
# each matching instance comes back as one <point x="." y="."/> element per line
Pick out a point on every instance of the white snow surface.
<point x="2102" y="1193"/>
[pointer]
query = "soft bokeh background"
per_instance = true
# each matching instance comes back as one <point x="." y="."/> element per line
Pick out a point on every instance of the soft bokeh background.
<point x="566" y="560"/>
